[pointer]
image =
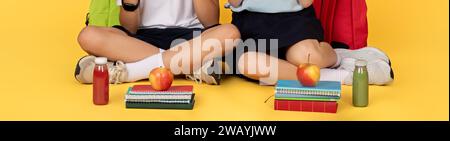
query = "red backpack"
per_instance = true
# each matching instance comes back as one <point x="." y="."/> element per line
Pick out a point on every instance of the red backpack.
<point x="344" y="22"/>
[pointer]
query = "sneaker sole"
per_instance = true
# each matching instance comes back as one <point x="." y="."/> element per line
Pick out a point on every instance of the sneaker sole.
<point x="392" y="70"/>
<point x="78" y="69"/>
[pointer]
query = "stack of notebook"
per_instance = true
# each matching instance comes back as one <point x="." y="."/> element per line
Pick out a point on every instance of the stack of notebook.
<point x="290" y="95"/>
<point x="144" y="96"/>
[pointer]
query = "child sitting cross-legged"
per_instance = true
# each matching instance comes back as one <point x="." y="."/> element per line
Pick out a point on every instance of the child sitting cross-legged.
<point x="299" y="33"/>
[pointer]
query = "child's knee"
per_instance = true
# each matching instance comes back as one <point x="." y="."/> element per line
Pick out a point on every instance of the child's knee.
<point x="223" y="36"/>
<point x="230" y="31"/>
<point x="85" y="38"/>
<point x="89" y="39"/>
<point x="306" y="52"/>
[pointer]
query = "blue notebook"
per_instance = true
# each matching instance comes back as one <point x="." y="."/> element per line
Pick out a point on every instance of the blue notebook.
<point x="328" y="88"/>
<point x="278" y="95"/>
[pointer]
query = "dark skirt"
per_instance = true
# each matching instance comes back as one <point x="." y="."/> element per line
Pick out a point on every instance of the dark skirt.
<point x="287" y="28"/>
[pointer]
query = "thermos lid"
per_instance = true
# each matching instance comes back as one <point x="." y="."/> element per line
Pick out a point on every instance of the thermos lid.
<point x="361" y="63"/>
<point x="101" y="60"/>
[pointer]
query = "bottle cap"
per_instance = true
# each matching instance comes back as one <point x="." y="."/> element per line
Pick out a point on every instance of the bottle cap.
<point x="101" y="60"/>
<point x="361" y="63"/>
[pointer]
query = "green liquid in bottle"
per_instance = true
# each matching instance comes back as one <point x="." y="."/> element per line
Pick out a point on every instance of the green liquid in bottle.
<point x="360" y="84"/>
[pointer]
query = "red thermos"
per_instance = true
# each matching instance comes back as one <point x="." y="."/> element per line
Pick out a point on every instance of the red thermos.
<point x="101" y="82"/>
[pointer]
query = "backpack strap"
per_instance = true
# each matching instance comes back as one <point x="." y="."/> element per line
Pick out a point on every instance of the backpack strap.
<point x="87" y="19"/>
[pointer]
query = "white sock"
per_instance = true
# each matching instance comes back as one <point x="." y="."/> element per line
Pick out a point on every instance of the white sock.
<point x="140" y="70"/>
<point x="333" y="75"/>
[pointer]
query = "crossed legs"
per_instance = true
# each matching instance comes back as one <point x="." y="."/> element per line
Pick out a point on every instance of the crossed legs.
<point x="117" y="45"/>
<point x="321" y="54"/>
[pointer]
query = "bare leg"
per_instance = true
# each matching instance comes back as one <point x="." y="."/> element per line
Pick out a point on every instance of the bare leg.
<point x="116" y="45"/>
<point x="187" y="49"/>
<point x="249" y="63"/>
<point x="321" y="54"/>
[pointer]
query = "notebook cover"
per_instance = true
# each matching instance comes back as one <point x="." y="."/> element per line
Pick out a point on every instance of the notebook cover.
<point x="321" y="86"/>
<point x="169" y="101"/>
<point x="173" y="101"/>
<point x="157" y="96"/>
<point x="160" y="97"/>
<point x="308" y="92"/>
<point x="306" y="99"/>
<point x="306" y="106"/>
<point x="133" y="105"/>
<point x="147" y="89"/>
<point x="281" y="95"/>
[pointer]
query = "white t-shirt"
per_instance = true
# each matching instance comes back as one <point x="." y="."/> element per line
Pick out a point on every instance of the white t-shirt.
<point x="168" y="14"/>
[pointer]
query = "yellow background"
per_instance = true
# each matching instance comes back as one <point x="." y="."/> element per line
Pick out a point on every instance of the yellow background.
<point x="39" y="51"/>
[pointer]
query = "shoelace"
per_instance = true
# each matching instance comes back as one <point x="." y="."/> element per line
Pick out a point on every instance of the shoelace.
<point x="197" y="75"/>
<point x="117" y="71"/>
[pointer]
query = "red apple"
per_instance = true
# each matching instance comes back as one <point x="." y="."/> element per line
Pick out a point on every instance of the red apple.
<point x="161" y="78"/>
<point x="308" y="74"/>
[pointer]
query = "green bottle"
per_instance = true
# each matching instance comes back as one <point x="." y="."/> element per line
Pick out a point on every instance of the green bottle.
<point x="360" y="84"/>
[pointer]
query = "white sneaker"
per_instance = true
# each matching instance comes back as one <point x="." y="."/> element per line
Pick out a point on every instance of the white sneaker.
<point x="206" y="73"/>
<point x="372" y="56"/>
<point x="380" y="72"/>
<point x="84" y="71"/>
<point x="368" y="53"/>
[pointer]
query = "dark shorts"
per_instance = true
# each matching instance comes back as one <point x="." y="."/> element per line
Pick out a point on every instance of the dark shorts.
<point x="164" y="38"/>
<point x="287" y="28"/>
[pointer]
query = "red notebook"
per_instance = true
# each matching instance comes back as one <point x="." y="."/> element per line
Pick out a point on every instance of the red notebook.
<point x="147" y="89"/>
<point x="306" y="106"/>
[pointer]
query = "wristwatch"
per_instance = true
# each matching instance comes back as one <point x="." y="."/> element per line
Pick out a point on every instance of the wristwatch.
<point x="130" y="7"/>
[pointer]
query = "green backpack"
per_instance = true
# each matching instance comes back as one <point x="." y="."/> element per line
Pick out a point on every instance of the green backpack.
<point x="103" y="13"/>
